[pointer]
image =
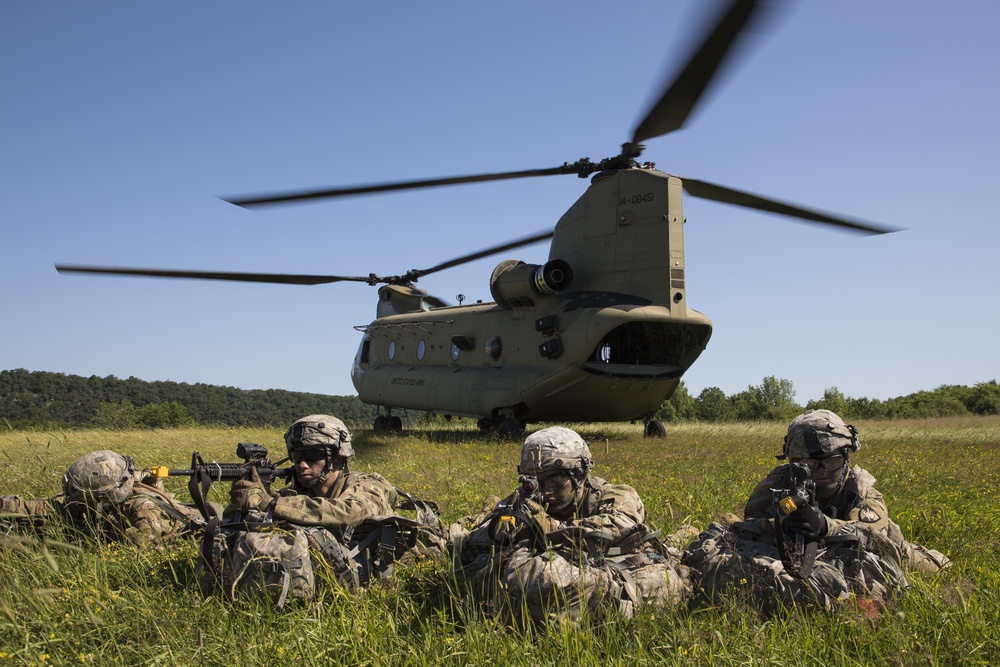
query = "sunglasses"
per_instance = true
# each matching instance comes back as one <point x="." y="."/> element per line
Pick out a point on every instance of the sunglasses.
<point x="308" y="455"/>
<point x="834" y="462"/>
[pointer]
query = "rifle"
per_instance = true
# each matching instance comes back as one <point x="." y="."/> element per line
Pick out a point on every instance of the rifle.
<point x="202" y="474"/>
<point x="518" y="510"/>
<point x="513" y="516"/>
<point x="16" y="522"/>
<point x="797" y="555"/>
<point x="527" y="491"/>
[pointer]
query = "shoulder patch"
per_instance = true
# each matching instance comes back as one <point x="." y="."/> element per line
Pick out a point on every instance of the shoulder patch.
<point x="766" y="482"/>
<point x="868" y="515"/>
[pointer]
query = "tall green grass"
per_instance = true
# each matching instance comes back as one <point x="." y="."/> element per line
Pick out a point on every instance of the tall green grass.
<point x="65" y="603"/>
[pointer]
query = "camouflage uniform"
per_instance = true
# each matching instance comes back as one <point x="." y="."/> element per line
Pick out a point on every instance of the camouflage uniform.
<point x="859" y="550"/>
<point x="136" y="510"/>
<point x="339" y="515"/>
<point x="353" y="499"/>
<point x="559" y="569"/>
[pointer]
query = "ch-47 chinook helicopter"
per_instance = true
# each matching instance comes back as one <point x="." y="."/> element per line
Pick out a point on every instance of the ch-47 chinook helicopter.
<point x="601" y="332"/>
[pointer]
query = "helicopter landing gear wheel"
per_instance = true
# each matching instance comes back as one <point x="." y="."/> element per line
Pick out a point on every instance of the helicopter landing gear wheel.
<point x="654" y="429"/>
<point x="388" y="424"/>
<point x="510" y="429"/>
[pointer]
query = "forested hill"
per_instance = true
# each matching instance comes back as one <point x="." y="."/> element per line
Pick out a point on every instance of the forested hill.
<point x="30" y="399"/>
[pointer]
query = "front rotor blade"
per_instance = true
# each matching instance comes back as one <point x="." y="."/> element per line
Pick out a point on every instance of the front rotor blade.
<point x="719" y="193"/>
<point x="527" y="240"/>
<point x="681" y="96"/>
<point x="305" y="195"/>
<point x="282" y="278"/>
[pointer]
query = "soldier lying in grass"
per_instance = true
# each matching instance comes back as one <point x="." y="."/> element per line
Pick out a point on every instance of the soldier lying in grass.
<point x="105" y="497"/>
<point x="815" y="530"/>
<point x="566" y="544"/>
<point x="328" y="519"/>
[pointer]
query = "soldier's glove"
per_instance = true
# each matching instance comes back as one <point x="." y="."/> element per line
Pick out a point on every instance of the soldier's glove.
<point x="250" y="494"/>
<point x="807" y="521"/>
<point x="546" y="523"/>
<point x="147" y="477"/>
<point x="505" y="529"/>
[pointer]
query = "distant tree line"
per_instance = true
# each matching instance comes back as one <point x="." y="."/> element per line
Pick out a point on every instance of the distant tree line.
<point x="37" y="399"/>
<point x="774" y="399"/>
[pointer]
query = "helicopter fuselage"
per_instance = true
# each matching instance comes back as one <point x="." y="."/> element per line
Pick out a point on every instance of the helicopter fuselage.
<point x="601" y="332"/>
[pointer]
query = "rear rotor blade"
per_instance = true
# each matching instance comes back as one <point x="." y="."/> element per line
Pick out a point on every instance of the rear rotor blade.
<point x="251" y="201"/>
<point x="281" y="278"/>
<point x="681" y="96"/>
<point x="435" y="302"/>
<point x="719" y="193"/>
<point x="527" y="240"/>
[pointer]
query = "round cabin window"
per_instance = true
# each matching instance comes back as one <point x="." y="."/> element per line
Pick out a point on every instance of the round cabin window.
<point x="494" y="348"/>
<point x="392" y="350"/>
<point x="421" y="349"/>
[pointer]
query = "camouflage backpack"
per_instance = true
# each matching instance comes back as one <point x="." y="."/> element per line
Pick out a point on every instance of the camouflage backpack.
<point x="274" y="564"/>
<point x="258" y="558"/>
<point x="266" y="560"/>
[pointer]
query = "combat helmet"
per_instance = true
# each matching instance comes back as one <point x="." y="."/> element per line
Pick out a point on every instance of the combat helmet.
<point x="555" y="448"/>
<point x="320" y="431"/>
<point x="99" y="476"/>
<point x="819" y="433"/>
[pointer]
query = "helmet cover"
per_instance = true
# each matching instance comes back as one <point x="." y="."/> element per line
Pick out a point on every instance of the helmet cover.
<point x="555" y="448"/>
<point x="319" y="431"/>
<point x="101" y="475"/>
<point x="819" y="433"/>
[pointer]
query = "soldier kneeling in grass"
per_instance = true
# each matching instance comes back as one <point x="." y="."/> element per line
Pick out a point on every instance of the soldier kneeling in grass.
<point x="105" y="497"/>
<point x="328" y="519"/>
<point x="815" y="530"/>
<point x="566" y="543"/>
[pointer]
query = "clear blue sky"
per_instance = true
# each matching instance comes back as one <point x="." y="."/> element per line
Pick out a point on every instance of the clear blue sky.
<point x="122" y="123"/>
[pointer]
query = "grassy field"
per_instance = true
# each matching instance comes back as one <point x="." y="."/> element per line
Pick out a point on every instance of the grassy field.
<point x="67" y="604"/>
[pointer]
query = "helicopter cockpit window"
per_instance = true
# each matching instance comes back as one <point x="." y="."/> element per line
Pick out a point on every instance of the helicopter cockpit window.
<point x="494" y="348"/>
<point x="392" y="350"/>
<point x="421" y="349"/>
<point x="648" y="348"/>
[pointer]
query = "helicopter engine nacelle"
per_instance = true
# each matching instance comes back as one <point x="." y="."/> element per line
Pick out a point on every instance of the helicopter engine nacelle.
<point x="515" y="284"/>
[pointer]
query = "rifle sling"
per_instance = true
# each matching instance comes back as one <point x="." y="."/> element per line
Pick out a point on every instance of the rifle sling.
<point x="386" y="534"/>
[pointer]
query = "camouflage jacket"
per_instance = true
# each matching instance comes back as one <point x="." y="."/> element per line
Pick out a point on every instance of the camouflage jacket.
<point x="603" y="506"/>
<point x="857" y="505"/>
<point x="354" y="498"/>
<point x="147" y="516"/>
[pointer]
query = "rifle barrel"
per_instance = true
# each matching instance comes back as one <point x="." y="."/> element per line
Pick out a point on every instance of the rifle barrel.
<point x="223" y="472"/>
